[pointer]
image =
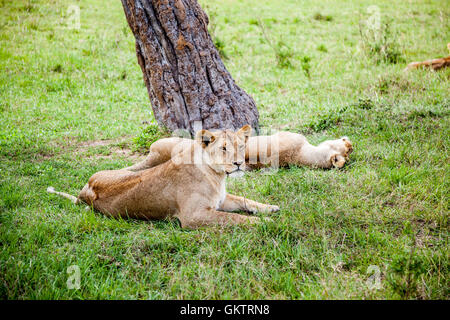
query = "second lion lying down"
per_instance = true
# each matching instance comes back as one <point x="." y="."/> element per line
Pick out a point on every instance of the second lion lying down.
<point x="281" y="149"/>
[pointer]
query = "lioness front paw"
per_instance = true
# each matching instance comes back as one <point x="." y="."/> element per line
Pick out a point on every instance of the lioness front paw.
<point x="269" y="209"/>
<point x="264" y="209"/>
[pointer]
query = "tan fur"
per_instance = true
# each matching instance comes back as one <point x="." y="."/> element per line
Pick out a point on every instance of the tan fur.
<point x="192" y="192"/>
<point x="288" y="149"/>
<point x="293" y="149"/>
<point x="434" y="64"/>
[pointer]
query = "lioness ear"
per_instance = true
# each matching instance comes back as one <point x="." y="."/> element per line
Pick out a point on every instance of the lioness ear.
<point x="205" y="137"/>
<point x="337" y="161"/>
<point x="246" y="131"/>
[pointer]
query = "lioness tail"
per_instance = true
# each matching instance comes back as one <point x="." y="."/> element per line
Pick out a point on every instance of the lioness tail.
<point x="63" y="194"/>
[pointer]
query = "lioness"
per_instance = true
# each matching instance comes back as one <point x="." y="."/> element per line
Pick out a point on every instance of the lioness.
<point x="434" y="64"/>
<point x="285" y="148"/>
<point x="190" y="186"/>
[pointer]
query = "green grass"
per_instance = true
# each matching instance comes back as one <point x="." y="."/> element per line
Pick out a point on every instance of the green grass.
<point x="73" y="102"/>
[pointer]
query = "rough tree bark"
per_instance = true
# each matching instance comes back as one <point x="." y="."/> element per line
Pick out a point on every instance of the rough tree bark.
<point x="184" y="74"/>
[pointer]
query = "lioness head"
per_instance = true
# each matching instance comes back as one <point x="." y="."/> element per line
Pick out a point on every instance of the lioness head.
<point x="225" y="149"/>
<point x="342" y="148"/>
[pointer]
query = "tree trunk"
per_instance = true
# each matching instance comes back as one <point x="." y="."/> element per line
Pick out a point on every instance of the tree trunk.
<point x="185" y="77"/>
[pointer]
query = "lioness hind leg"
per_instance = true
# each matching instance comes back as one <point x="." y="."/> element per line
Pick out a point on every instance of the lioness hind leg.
<point x="236" y="203"/>
<point x="214" y="217"/>
<point x="152" y="160"/>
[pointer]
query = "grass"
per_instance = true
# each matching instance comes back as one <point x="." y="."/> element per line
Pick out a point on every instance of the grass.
<point x="73" y="102"/>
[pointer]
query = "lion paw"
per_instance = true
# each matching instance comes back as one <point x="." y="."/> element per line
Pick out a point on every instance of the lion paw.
<point x="269" y="209"/>
<point x="273" y="209"/>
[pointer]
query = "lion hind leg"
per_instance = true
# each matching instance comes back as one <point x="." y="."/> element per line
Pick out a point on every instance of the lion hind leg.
<point x="152" y="160"/>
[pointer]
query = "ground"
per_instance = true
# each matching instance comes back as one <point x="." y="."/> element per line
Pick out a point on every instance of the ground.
<point x="73" y="102"/>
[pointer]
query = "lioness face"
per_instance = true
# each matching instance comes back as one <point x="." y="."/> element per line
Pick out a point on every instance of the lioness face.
<point x="226" y="149"/>
<point x="343" y="147"/>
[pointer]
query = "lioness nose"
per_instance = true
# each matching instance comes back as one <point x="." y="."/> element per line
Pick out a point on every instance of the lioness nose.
<point x="238" y="163"/>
